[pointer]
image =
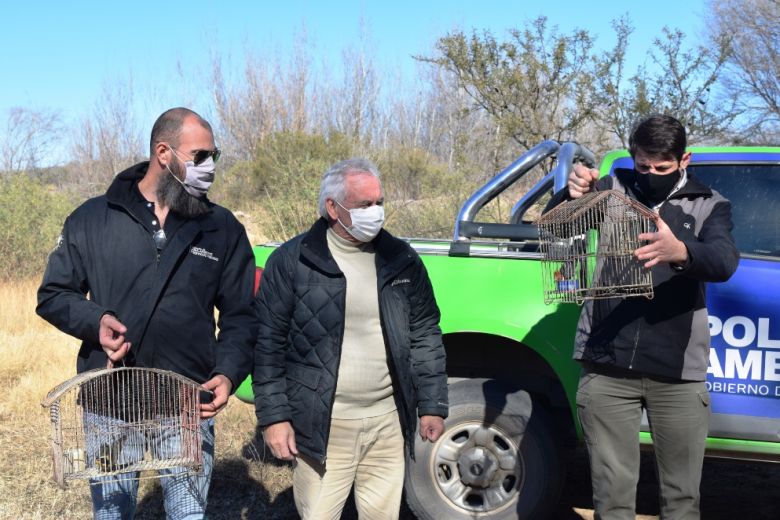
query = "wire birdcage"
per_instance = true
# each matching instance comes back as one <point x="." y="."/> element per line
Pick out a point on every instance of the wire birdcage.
<point x="588" y="248"/>
<point x="116" y="422"/>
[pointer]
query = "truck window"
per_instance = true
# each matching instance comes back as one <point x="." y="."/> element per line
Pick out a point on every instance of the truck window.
<point x="752" y="190"/>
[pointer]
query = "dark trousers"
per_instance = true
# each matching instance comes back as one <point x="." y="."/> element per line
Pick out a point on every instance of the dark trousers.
<point x="610" y="410"/>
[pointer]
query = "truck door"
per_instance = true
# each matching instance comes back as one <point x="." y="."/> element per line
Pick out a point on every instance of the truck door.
<point x="744" y="370"/>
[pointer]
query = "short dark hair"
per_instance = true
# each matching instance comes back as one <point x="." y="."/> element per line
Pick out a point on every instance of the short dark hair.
<point x="167" y="128"/>
<point x="658" y="135"/>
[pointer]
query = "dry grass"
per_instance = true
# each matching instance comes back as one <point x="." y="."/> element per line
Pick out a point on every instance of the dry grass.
<point x="253" y="220"/>
<point x="35" y="357"/>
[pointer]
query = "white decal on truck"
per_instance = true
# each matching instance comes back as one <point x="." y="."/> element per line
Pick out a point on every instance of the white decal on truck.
<point x="741" y="331"/>
<point x="749" y="355"/>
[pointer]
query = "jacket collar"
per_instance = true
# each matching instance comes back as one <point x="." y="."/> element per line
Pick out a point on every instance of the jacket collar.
<point x="391" y="254"/>
<point x="121" y="190"/>
<point x="693" y="188"/>
<point x="314" y="248"/>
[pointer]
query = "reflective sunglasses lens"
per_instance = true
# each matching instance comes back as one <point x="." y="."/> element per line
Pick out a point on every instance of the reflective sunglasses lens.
<point x="202" y="155"/>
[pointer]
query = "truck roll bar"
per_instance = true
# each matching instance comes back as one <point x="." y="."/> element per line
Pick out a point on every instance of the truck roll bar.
<point x="568" y="154"/>
<point x="465" y="226"/>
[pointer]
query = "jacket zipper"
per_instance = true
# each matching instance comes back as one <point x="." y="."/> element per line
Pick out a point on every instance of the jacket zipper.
<point x="393" y="373"/>
<point x="636" y="344"/>
<point x="402" y="413"/>
<point x="338" y="365"/>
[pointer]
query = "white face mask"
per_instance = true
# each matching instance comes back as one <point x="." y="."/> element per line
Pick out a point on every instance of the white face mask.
<point x="198" y="178"/>
<point x="366" y="222"/>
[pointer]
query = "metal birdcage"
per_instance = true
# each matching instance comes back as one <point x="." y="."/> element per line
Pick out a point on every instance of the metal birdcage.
<point x="588" y="248"/>
<point x="120" y="421"/>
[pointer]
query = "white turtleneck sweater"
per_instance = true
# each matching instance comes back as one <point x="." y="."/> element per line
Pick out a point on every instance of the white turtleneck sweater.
<point x="364" y="388"/>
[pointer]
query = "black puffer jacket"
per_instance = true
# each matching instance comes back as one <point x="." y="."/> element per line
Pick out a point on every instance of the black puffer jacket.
<point x="166" y="301"/>
<point x="301" y="309"/>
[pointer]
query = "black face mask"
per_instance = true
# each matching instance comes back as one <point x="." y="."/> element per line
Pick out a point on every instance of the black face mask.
<point x="657" y="187"/>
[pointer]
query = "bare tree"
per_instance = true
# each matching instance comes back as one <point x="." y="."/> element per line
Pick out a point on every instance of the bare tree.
<point x="247" y="114"/>
<point x="274" y="95"/>
<point x="621" y="99"/>
<point x="752" y="76"/>
<point x="107" y="141"/>
<point x="352" y="105"/>
<point x="683" y="82"/>
<point x="296" y="84"/>
<point x="29" y="138"/>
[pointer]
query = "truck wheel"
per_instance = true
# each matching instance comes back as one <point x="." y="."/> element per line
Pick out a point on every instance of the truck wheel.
<point x="497" y="458"/>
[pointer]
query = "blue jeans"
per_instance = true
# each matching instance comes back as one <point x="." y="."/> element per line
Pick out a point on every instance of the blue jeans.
<point x="184" y="494"/>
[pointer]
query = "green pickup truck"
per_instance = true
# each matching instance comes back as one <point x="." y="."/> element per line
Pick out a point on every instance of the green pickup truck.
<point x="509" y="356"/>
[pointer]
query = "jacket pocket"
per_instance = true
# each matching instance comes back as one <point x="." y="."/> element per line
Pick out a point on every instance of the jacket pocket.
<point x="584" y="409"/>
<point x="307" y="376"/>
<point x="302" y="396"/>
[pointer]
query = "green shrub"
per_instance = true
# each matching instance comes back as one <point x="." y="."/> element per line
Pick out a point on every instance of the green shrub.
<point x="422" y="195"/>
<point x="284" y="178"/>
<point x="31" y="218"/>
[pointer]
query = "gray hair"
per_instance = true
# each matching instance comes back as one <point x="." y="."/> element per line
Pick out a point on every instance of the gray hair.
<point x="334" y="185"/>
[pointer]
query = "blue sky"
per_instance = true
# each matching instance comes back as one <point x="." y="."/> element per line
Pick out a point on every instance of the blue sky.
<point x="60" y="55"/>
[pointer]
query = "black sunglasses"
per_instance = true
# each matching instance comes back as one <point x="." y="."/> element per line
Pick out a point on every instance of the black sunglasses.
<point x="201" y="155"/>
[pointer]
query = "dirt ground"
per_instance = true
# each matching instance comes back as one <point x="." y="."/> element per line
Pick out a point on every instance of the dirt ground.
<point x="730" y="490"/>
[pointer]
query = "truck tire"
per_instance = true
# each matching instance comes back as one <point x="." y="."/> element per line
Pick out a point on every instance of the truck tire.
<point x="497" y="458"/>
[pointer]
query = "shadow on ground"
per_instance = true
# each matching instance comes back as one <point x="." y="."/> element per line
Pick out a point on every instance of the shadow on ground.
<point x="729" y="490"/>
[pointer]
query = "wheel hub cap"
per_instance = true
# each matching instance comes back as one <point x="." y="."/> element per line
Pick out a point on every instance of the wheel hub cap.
<point x="477" y="467"/>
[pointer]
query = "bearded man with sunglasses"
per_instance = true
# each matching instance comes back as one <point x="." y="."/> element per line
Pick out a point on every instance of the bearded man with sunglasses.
<point x="156" y="258"/>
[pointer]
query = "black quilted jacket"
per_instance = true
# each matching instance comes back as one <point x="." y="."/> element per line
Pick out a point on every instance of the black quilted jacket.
<point x="301" y="309"/>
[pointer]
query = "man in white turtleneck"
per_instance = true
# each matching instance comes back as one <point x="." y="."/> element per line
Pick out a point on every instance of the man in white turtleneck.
<point x="363" y="388"/>
<point x="349" y="353"/>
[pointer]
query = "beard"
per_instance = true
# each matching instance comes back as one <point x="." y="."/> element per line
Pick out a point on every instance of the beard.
<point x="173" y="195"/>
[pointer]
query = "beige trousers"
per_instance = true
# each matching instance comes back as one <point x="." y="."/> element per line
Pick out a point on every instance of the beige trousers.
<point x="367" y="452"/>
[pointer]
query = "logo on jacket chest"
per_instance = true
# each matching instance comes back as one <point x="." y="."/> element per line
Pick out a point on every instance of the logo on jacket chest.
<point x="399" y="281"/>
<point x="688" y="226"/>
<point x="199" y="251"/>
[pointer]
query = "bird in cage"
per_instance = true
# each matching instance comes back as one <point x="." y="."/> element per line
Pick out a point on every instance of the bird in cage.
<point x="109" y="454"/>
<point x="107" y="422"/>
<point x="588" y="244"/>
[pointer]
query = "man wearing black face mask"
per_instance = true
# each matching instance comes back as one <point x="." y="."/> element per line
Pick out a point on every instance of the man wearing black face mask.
<point x="156" y="258"/>
<point x="653" y="354"/>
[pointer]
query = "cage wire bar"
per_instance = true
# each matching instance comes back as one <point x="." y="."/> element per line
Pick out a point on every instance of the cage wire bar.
<point x="121" y="421"/>
<point x="588" y="246"/>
